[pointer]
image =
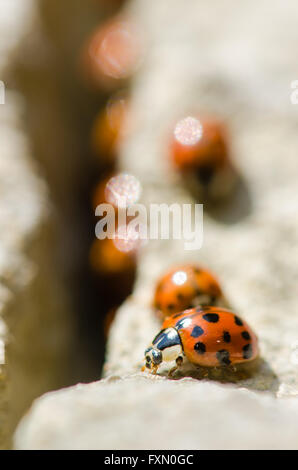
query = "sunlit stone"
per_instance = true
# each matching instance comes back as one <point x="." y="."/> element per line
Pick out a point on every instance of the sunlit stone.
<point x="116" y="110"/>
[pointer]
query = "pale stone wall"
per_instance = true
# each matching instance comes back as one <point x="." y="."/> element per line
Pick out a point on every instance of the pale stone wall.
<point x="35" y="322"/>
<point x="237" y="59"/>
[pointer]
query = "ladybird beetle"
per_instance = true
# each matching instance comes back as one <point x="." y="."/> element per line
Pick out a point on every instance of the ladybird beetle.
<point x="112" y="53"/>
<point x="199" y="150"/>
<point x="186" y="286"/>
<point x="110" y="128"/>
<point x="205" y="336"/>
<point x="106" y="258"/>
<point x="200" y="144"/>
<point x="120" y="190"/>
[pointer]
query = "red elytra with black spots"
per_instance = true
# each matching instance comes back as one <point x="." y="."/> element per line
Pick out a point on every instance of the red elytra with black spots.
<point x="186" y="286"/>
<point x="213" y="336"/>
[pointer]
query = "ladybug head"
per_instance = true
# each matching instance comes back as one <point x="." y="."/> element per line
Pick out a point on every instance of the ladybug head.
<point x="166" y="346"/>
<point x="153" y="357"/>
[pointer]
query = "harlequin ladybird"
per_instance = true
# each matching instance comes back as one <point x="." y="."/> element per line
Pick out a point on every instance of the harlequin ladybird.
<point x="112" y="53"/>
<point x="199" y="143"/>
<point x="110" y="128"/>
<point x="106" y="258"/>
<point x="205" y="336"/>
<point x="186" y="286"/>
<point x="199" y="150"/>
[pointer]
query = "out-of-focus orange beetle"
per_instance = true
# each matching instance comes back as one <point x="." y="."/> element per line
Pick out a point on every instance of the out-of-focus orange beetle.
<point x="110" y="127"/>
<point x="199" y="149"/>
<point x="112" y="53"/>
<point x="186" y="286"/>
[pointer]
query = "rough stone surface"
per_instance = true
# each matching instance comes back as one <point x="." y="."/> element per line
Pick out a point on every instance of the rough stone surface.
<point x="235" y="59"/>
<point x="139" y="412"/>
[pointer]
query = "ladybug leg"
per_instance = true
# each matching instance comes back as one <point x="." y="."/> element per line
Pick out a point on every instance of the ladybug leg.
<point x="154" y="370"/>
<point x="179" y="362"/>
<point x="171" y="371"/>
<point x="203" y="372"/>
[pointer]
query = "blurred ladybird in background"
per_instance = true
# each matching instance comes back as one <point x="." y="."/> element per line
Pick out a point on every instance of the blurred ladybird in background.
<point x="106" y="258"/>
<point x="116" y="251"/>
<point x="186" y="286"/>
<point x="118" y="189"/>
<point x="110" y="127"/>
<point x="204" y="336"/>
<point x="117" y="243"/>
<point x="112" y="53"/>
<point x="113" y="275"/>
<point x="199" y="151"/>
<point x="113" y="255"/>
